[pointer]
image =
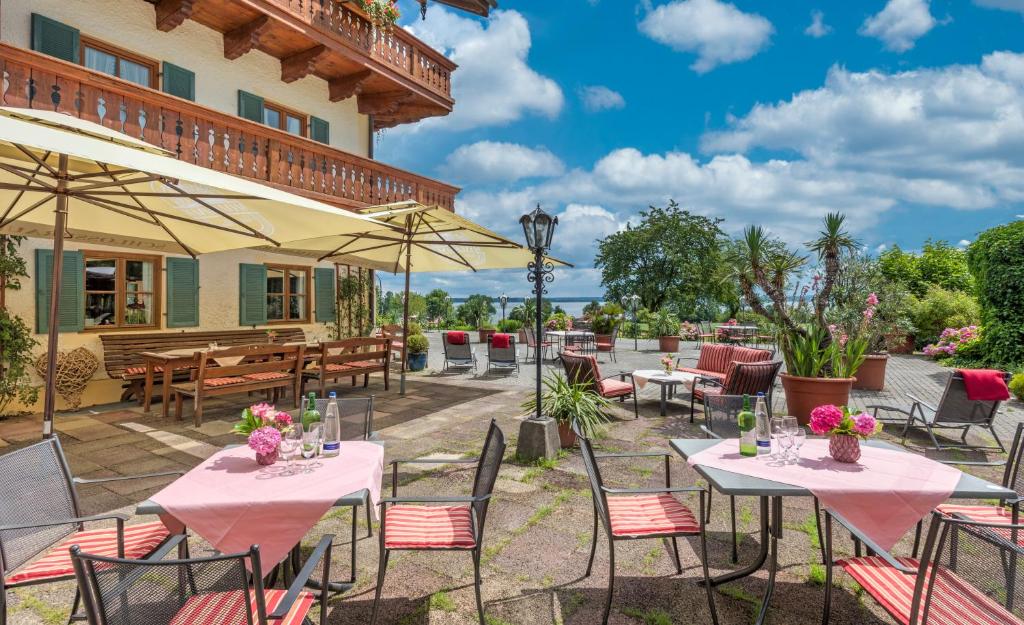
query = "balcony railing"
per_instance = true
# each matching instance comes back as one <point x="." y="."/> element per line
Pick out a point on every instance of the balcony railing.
<point x="209" y="138"/>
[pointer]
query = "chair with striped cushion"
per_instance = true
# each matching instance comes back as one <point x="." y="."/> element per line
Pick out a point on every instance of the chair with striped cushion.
<point x="40" y="519"/>
<point x="630" y="514"/>
<point x="583" y="369"/>
<point x="741" y="378"/>
<point x="440" y="523"/>
<point x="968" y="574"/>
<point x="216" y="590"/>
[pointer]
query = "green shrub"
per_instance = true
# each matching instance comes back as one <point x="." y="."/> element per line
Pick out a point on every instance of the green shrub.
<point x="509" y="325"/>
<point x="415" y="328"/>
<point x="940" y="309"/>
<point x="996" y="260"/>
<point x="464" y="327"/>
<point x="664" y="323"/>
<point x="1017" y="386"/>
<point x="418" y="344"/>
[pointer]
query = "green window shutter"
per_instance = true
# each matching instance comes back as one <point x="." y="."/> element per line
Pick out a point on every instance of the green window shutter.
<point x="252" y="295"/>
<point x="182" y="293"/>
<point x="319" y="130"/>
<point x="250" y="106"/>
<point x="323" y="287"/>
<point x="56" y="39"/>
<point x="179" y="81"/>
<point x="72" y="293"/>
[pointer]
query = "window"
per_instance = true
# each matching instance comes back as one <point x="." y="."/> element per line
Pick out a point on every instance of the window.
<point x="108" y="59"/>
<point x="285" y="119"/>
<point x="287" y="293"/>
<point x="121" y="290"/>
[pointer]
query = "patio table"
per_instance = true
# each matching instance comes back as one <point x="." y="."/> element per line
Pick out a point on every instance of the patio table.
<point x="742" y="332"/>
<point x="771" y="493"/>
<point x="574" y="337"/>
<point x="666" y="380"/>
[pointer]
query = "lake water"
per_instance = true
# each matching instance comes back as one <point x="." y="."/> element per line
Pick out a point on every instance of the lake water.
<point x="573" y="306"/>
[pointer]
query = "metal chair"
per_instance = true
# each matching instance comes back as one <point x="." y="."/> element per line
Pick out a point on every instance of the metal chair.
<point x="968" y="573"/>
<point x="608" y="347"/>
<point x="581" y="369"/>
<point x="502" y="357"/>
<point x="459" y="356"/>
<point x="720" y="421"/>
<point x="742" y="378"/>
<point x="217" y="590"/>
<point x="40" y="514"/>
<point x="406" y="524"/>
<point x="531" y="343"/>
<point x="954" y="411"/>
<point x="632" y="514"/>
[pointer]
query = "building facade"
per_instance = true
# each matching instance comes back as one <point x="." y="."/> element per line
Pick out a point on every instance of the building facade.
<point x="286" y="92"/>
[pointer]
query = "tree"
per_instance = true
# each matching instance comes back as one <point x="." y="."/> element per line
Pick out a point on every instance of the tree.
<point x="997" y="263"/>
<point x="477" y="310"/>
<point x="16" y="342"/>
<point x="525" y="311"/>
<point x="439" y="305"/>
<point x="393" y="306"/>
<point x="669" y="259"/>
<point x="592" y="309"/>
<point x="938" y="263"/>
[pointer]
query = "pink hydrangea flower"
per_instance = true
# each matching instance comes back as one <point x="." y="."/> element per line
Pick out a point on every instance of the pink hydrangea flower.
<point x="264" y="440"/>
<point x="825" y="418"/>
<point x="864" y="424"/>
<point x="262" y="410"/>
<point x="283" y="418"/>
<point x="872" y="300"/>
<point x="869" y="313"/>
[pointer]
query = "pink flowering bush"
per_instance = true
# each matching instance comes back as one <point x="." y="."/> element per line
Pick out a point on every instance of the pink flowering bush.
<point x="689" y="331"/>
<point x="829" y="420"/>
<point x="264" y="440"/>
<point x="953" y="340"/>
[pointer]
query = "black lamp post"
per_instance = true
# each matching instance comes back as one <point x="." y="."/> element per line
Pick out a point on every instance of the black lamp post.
<point x="631" y="302"/>
<point x="539" y="227"/>
<point x="503" y="300"/>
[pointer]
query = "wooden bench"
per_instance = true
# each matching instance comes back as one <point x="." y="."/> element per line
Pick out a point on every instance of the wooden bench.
<point x="350" y="358"/>
<point x="122" y="352"/>
<point x="259" y="368"/>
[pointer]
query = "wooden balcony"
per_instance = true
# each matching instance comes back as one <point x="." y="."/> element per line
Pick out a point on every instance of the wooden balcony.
<point x="394" y="76"/>
<point x="210" y="138"/>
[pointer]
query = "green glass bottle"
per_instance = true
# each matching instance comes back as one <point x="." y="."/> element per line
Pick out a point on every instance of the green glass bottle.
<point x="311" y="415"/>
<point x="748" y="432"/>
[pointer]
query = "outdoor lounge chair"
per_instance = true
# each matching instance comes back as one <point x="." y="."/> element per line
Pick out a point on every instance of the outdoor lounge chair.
<point x="458" y="356"/>
<point x="742" y="378"/>
<point x="457" y="524"/>
<point x="531" y="343"/>
<point x="216" y="590"/>
<point x="968" y="574"/>
<point x="39" y="515"/>
<point x="954" y="411"/>
<point x="583" y="369"/>
<point x="503" y="358"/>
<point x="631" y="514"/>
<point x="608" y="347"/>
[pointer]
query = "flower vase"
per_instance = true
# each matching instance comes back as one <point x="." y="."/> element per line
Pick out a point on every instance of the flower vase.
<point x="844" y="448"/>
<point x="267" y="459"/>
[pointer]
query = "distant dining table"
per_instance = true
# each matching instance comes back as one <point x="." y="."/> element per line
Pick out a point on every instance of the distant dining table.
<point x="667" y="380"/>
<point x="726" y="332"/>
<point x="884" y="494"/>
<point x="583" y="339"/>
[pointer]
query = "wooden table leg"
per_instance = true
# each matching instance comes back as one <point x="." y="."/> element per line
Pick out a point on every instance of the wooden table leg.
<point x="147" y="392"/>
<point x="166" y="390"/>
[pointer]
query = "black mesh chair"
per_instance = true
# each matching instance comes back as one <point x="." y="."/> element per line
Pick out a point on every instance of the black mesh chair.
<point x="969" y="573"/>
<point x="631" y="514"/>
<point x="40" y="516"/>
<point x="502" y="358"/>
<point x="218" y="590"/>
<point x="456" y="524"/>
<point x="720" y="421"/>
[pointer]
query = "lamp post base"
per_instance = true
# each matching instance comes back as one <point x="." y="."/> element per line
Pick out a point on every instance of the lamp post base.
<point x="538" y="438"/>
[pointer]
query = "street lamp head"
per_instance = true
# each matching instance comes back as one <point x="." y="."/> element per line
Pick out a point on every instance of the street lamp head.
<point x="539" y="228"/>
<point x="503" y="300"/>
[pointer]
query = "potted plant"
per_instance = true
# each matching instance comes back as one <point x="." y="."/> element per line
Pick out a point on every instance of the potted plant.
<point x="689" y="331"/>
<point x="485" y="330"/>
<point x="604" y="322"/>
<point x="264" y="426"/>
<point x="383" y="14"/>
<point x="566" y="402"/>
<point x="417" y="346"/>
<point x="665" y="326"/>
<point x="844" y="429"/>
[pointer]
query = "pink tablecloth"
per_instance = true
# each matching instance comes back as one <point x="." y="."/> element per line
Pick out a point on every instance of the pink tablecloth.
<point x="883" y="495"/>
<point x="234" y="503"/>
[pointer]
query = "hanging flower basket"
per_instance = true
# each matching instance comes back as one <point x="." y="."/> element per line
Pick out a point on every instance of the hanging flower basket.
<point x="382" y="13"/>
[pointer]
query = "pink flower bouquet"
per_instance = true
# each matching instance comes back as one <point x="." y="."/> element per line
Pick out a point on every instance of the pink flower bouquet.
<point x="264" y="425"/>
<point x="666" y="363"/>
<point x="829" y="420"/>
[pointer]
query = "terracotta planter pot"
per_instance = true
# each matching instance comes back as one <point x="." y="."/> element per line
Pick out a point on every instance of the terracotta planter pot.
<point x="522" y="336"/>
<point x="871" y="374"/>
<point x="805" y="394"/>
<point x="668" y="343"/>
<point x="602" y="338"/>
<point x="844" y="448"/>
<point x="486" y="333"/>
<point x="566" y="436"/>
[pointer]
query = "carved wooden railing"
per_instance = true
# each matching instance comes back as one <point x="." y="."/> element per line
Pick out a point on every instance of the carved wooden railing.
<point x="395" y="48"/>
<point x="210" y="138"/>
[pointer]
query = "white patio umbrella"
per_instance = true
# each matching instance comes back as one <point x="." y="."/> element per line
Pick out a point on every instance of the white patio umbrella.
<point x="64" y="177"/>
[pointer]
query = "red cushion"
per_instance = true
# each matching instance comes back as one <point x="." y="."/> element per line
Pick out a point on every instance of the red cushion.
<point x="605" y="347"/>
<point x="216" y="608"/>
<point x="748" y="354"/>
<point x="141" y="370"/>
<point x="339" y="368"/>
<point x="139" y="541"/>
<point x="428" y="527"/>
<point x="700" y="392"/>
<point x="267" y="375"/>
<point x="648" y="515"/>
<point x="614" y="388"/>
<point x="984" y="514"/>
<point x="715" y="357"/>
<point x="367" y="363"/>
<point x="954" y="601"/>
<point x="215" y="382"/>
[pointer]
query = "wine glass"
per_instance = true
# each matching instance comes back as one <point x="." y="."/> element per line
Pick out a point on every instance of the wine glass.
<point x="790" y="425"/>
<point x="290" y="443"/>
<point x="799" y="437"/>
<point x="778" y="432"/>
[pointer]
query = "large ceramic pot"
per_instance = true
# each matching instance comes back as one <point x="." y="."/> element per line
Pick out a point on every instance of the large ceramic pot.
<point x="522" y="336"/>
<point x="566" y="436"/>
<point x="486" y="333"/>
<point x="871" y="374"/>
<point x="805" y="394"/>
<point x="668" y="343"/>
<point x="417" y="362"/>
<point x="603" y="338"/>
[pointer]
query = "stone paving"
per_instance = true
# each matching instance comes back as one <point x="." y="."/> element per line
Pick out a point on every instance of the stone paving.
<point x="539" y="525"/>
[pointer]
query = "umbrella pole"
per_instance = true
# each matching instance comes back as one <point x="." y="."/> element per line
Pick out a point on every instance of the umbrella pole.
<point x="405" y="323"/>
<point x="53" y="322"/>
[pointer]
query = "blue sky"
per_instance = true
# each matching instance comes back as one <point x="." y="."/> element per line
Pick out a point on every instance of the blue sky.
<point x="907" y="115"/>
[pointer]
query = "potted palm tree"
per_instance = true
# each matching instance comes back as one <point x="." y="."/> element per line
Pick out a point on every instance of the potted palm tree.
<point x="566" y="403"/>
<point x="665" y="326"/>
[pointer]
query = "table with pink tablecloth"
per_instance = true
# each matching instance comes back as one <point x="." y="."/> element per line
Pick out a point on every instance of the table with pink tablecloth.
<point x="233" y="503"/>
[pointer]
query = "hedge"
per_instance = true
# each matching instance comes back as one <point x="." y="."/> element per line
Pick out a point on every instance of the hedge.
<point x="996" y="260"/>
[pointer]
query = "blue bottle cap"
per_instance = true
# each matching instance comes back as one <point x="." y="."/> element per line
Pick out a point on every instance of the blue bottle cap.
<point x="332" y="395"/>
<point x="759" y="394"/>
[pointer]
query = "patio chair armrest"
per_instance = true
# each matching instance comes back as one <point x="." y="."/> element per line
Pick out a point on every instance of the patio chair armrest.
<point x="435" y="461"/>
<point x="711" y="434"/>
<point x="658" y="489"/>
<point x="635" y="454"/>
<point x="872" y="545"/>
<point x="171" y="543"/>
<point x="321" y="552"/>
<point x="119" y="517"/>
<point x="974" y="463"/>
<point x="921" y="402"/>
<point x="877" y="407"/>
<point x="621" y="375"/>
<point x="455" y="499"/>
<point x="706" y="380"/>
<point x="682" y="358"/>
<point x="125" y="478"/>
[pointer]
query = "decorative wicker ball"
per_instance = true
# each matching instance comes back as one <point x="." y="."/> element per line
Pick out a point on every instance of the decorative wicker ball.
<point x="74" y="370"/>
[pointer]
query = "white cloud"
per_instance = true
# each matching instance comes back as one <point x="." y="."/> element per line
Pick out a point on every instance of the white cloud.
<point x="490" y="161"/>
<point x="881" y="248"/>
<point x="1008" y="66"/>
<point x="1006" y="5"/>
<point x="900" y="24"/>
<point x="818" y="28"/>
<point x="718" y="32"/>
<point x="494" y="84"/>
<point x="600" y="98"/>
<point x="964" y="243"/>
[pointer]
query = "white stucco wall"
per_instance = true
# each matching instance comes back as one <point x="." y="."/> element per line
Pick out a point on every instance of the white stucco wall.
<point x="131" y="24"/>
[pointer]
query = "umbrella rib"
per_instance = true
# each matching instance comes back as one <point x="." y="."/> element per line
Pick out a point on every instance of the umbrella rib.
<point x="5" y="221"/>
<point x="367" y="249"/>
<point x="42" y="162"/>
<point x="126" y="211"/>
<point x="458" y="261"/>
<point x="352" y="239"/>
<point x="155" y="213"/>
<point x="254" y="232"/>
<point x="100" y="174"/>
<point x="17" y="198"/>
<point x="31" y="177"/>
<point x="114" y="182"/>
<point x="193" y="196"/>
<point x="454" y="251"/>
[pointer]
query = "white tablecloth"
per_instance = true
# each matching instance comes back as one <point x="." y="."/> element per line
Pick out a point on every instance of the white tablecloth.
<point x="643" y="376"/>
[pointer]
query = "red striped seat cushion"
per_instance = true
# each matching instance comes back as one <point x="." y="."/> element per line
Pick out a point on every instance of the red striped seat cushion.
<point x="715" y="357"/>
<point x="215" y="382"/>
<point x="216" y="608"/>
<point x="749" y="354"/>
<point x="984" y="514"/>
<point x="428" y="527"/>
<point x="650" y="515"/>
<point x="700" y="392"/>
<point x="614" y="388"/>
<point x="367" y="363"/>
<point x="954" y="601"/>
<point x="267" y="376"/>
<point x="338" y="368"/>
<point x="141" y="370"/>
<point x="139" y="541"/>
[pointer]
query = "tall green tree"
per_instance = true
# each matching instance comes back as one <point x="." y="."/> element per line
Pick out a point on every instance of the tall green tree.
<point x="939" y="263"/>
<point x="670" y="259"/>
<point x="16" y="342"/>
<point x="525" y="312"/>
<point x="439" y="305"/>
<point x="477" y="310"/>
